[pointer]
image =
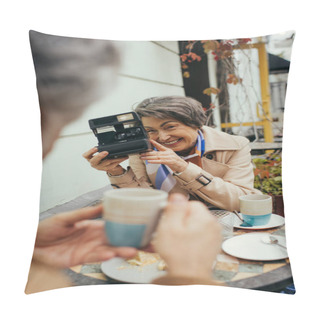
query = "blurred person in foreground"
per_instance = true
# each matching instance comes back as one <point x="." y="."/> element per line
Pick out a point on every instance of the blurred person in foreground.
<point x="71" y="74"/>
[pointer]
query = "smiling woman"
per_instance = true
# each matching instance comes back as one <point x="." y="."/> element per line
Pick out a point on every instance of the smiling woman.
<point x="188" y="157"/>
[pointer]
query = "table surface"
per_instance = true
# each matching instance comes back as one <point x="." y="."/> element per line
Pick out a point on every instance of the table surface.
<point x="234" y="272"/>
<point x="231" y="271"/>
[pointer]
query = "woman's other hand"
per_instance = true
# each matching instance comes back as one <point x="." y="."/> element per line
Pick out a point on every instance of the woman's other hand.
<point x="164" y="156"/>
<point x="98" y="161"/>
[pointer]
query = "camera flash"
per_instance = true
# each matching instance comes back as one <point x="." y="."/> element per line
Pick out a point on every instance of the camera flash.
<point x="124" y="117"/>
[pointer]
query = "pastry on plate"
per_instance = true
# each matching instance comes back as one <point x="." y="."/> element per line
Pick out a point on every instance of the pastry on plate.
<point x="143" y="258"/>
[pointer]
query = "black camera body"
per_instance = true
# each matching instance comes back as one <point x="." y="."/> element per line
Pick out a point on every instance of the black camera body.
<point x="121" y="134"/>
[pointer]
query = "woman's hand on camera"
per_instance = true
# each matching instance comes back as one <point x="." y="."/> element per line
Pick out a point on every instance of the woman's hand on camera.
<point x="165" y="156"/>
<point x="98" y="162"/>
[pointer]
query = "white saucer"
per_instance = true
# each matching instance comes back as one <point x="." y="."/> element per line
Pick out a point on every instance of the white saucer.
<point x="119" y="269"/>
<point x="274" y="222"/>
<point x="250" y="246"/>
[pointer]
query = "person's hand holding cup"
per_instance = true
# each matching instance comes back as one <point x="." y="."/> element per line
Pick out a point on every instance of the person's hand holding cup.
<point x="188" y="238"/>
<point x="132" y="214"/>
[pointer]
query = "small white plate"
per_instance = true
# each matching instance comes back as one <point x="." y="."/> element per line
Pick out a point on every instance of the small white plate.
<point x="119" y="269"/>
<point x="274" y="222"/>
<point x="250" y="246"/>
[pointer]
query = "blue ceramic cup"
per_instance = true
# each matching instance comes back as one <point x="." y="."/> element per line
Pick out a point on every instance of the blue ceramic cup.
<point x="256" y="209"/>
<point x="132" y="214"/>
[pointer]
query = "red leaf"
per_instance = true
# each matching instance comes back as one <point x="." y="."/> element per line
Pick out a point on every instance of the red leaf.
<point x="256" y="171"/>
<point x="194" y="56"/>
<point x="183" y="57"/>
<point x="244" y="40"/>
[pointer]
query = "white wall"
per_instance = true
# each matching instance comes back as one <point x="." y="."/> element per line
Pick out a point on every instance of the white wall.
<point x="148" y="69"/>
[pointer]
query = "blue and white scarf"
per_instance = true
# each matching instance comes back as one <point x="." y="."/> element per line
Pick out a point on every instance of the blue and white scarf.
<point x="164" y="179"/>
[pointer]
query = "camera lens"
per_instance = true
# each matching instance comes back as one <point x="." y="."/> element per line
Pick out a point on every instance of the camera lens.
<point x="133" y="132"/>
<point x="120" y="136"/>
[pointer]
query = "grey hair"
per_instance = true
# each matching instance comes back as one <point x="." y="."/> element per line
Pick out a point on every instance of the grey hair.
<point x="183" y="109"/>
<point x="68" y="70"/>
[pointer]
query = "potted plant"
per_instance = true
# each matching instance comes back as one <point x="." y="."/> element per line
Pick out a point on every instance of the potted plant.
<point x="268" y="179"/>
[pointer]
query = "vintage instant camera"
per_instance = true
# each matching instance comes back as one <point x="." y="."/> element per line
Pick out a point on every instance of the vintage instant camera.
<point x="120" y="134"/>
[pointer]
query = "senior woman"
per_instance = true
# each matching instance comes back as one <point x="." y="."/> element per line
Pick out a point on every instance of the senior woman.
<point x="188" y="157"/>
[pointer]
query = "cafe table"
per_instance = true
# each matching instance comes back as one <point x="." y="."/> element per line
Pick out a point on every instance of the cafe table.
<point x="228" y="270"/>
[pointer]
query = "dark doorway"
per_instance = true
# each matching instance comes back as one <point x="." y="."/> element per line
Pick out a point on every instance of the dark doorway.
<point x="199" y="78"/>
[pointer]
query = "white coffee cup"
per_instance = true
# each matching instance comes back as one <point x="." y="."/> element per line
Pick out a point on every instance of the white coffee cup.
<point x="256" y="209"/>
<point x="132" y="214"/>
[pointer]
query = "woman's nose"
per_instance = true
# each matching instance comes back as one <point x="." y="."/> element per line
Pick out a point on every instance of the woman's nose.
<point x="162" y="136"/>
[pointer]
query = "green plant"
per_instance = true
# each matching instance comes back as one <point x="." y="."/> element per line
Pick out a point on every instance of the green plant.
<point x="267" y="175"/>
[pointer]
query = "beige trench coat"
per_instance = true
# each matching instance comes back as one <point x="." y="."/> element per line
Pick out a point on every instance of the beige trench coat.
<point x="226" y="172"/>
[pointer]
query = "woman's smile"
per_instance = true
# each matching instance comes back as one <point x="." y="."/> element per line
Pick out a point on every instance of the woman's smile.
<point x="172" y="143"/>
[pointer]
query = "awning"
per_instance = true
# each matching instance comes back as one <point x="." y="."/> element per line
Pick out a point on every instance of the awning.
<point x="277" y="64"/>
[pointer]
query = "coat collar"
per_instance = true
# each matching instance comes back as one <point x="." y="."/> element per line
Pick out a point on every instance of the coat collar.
<point x="218" y="140"/>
